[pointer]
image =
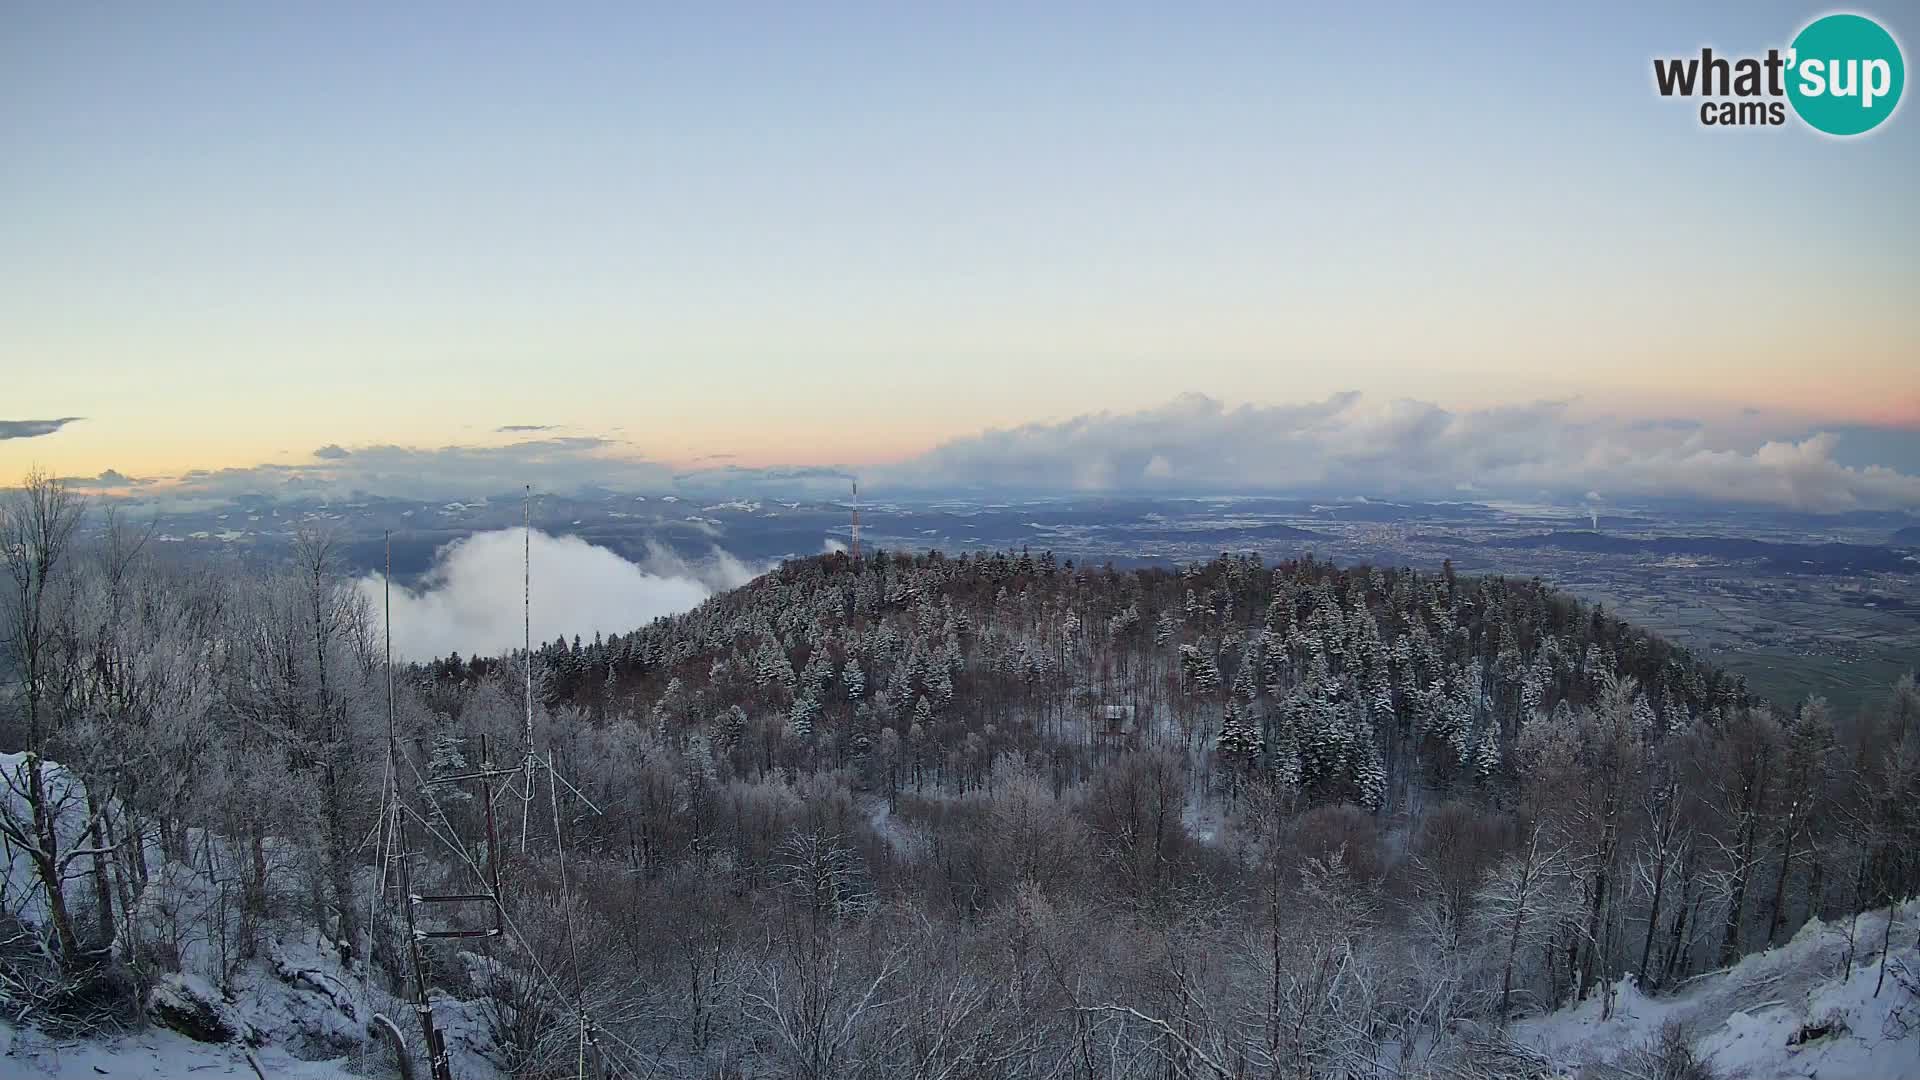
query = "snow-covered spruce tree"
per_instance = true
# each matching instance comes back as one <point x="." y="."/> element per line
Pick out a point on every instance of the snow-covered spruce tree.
<point x="854" y="679"/>
<point x="1486" y="757"/>
<point x="800" y="718"/>
<point x="1202" y="673"/>
<point x="446" y="757"/>
<point x="1368" y="771"/>
<point x="1239" y="741"/>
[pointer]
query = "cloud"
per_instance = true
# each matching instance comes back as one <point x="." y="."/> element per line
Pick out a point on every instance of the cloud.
<point x="719" y="571"/>
<point x="1343" y="445"/>
<point x="564" y="464"/>
<point x="30" y="429"/>
<point x="1347" y="444"/>
<point x="516" y="428"/>
<point x="113" y="478"/>
<point x="107" y="480"/>
<point x="470" y="601"/>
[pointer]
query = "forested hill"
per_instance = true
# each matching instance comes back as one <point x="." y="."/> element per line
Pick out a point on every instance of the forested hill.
<point x="912" y="816"/>
<point x="1352" y="684"/>
<point x="1201" y="793"/>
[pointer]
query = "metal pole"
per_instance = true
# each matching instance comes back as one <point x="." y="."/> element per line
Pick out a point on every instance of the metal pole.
<point x="526" y="607"/>
<point x="437" y="1064"/>
<point x="493" y="841"/>
<point x="526" y="615"/>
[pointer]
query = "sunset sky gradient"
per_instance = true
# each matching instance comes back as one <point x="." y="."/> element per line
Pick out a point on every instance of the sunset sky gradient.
<point x="773" y="233"/>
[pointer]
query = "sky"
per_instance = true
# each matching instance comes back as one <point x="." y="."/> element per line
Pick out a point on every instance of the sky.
<point x="660" y="238"/>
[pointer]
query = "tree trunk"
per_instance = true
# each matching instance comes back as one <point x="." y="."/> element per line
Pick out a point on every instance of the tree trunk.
<point x="1886" y="942"/>
<point x="1653" y="916"/>
<point x="46" y="862"/>
<point x="1737" y="904"/>
<point x="102" y="876"/>
<point x="1778" y="919"/>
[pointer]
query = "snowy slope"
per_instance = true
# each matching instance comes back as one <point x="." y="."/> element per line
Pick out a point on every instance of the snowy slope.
<point x="156" y="1054"/>
<point x="20" y="892"/>
<point x="1741" y="1019"/>
<point x="308" y="1014"/>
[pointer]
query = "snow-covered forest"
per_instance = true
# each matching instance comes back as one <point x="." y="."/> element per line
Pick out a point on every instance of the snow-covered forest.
<point x="919" y="816"/>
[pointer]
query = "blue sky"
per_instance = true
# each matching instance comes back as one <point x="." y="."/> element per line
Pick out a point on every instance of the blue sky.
<point x="235" y="233"/>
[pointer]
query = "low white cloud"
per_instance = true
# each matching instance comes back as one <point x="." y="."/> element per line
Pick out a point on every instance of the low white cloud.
<point x="470" y="601"/>
<point x="1347" y="443"/>
<point x="718" y="571"/>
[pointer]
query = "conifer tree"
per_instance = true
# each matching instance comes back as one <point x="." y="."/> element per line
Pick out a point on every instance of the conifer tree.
<point x="1369" y="773"/>
<point x="800" y="718"/>
<point x="1486" y="759"/>
<point x="1239" y="742"/>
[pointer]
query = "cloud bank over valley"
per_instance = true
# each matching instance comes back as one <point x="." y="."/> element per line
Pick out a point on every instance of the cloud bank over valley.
<point x="470" y="602"/>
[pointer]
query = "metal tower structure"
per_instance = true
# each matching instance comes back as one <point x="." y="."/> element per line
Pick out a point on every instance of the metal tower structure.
<point x="396" y="856"/>
<point x="399" y="854"/>
<point x="856" y="521"/>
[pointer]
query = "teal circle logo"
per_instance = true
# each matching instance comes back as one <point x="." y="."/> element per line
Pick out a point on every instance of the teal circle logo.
<point x="1845" y="74"/>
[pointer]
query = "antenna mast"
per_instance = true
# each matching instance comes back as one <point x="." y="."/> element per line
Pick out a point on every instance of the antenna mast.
<point x="856" y="521"/>
<point x="526" y="607"/>
<point x="387" y="581"/>
<point x="438" y="1059"/>
<point x="526" y="616"/>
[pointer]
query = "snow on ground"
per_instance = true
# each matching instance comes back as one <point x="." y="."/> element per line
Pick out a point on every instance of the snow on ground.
<point x="308" y="1014"/>
<point x="904" y="837"/>
<point x="20" y="892"/>
<point x="309" y="1017"/>
<point x="1741" y="1019"/>
<point x="1203" y="820"/>
<point x="154" y="1053"/>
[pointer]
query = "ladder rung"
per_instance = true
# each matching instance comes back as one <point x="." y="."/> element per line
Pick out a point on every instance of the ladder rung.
<point x="458" y="933"/>
<point x="460" y="778"/>
<point x="447" y="898"/>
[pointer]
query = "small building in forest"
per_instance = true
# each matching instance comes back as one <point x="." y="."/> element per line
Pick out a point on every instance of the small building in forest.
<point x="1112" y="721"/>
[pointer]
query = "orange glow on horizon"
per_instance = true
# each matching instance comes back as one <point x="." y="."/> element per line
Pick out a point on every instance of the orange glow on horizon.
<point x="1789" y="402"/>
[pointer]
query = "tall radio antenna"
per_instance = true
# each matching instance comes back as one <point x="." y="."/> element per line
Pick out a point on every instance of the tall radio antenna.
<point x="526" y="606"/>
<point x="532" y="763"/>
<point x="856" y="521"/>
<point x="487" y="890"/>
<point x="526" y="628"/>
<point x="386" y="579"/>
